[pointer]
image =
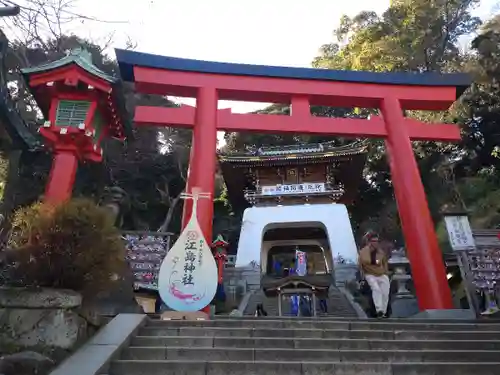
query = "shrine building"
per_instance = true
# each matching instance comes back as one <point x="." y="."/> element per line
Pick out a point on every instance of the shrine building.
<point x="295" y="198"/>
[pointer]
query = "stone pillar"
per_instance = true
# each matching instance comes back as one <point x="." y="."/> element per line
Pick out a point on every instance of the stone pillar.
<point x="403" y="303"/>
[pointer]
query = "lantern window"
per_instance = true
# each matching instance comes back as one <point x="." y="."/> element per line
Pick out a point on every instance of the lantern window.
<point x="72" y="112"/>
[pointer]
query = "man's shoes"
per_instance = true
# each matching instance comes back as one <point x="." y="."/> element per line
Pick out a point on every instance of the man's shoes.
<point x="380" y="315"/>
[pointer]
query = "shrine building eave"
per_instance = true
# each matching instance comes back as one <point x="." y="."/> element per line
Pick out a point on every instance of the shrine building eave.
<point x="127" y="60"/>
<point x="293" y="154"/>
<point x="350" y="160"/>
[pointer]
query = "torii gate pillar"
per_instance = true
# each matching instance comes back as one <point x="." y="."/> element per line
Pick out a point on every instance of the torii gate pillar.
<point x="203" y="159"/>
<point x="423" y="251"/>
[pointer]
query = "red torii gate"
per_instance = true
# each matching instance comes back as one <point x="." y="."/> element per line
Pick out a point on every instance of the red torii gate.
<point x="392" y="93"/>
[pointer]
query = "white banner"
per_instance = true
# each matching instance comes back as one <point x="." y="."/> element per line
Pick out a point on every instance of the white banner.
<point x="459" y="232"/>
<point x="293" y="189"/>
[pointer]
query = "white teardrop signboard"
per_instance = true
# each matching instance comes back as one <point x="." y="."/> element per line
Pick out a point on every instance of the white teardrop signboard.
<point x="187" y="280"/>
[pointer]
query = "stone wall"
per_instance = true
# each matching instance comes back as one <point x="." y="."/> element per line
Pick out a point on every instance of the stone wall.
<point x="41" y="318"/>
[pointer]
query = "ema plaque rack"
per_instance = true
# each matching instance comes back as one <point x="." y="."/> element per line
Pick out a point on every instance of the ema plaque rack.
<point x="145" y="252"/>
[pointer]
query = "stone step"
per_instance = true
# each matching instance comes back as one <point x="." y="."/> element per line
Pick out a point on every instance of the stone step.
<point x="291" y="355"/>
<point x="338" y="305"/>
<point x="346" y="319"/>
<point x="322" y="355"/>
<point x="388" y="334"/>
<point x="327" y="324"/>
<point x="296" y="343"/>
<point x="328" y="318"/>
<point x="273" y="367"/>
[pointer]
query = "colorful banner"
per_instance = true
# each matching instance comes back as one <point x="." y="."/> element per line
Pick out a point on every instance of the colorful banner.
<point x="301" y="263"/>
<point x="188" y="274"/>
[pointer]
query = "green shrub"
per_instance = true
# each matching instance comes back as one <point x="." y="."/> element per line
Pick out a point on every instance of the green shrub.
<point x="72" y="246"/>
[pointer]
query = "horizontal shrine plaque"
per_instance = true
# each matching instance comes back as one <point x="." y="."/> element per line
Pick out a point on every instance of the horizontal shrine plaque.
<point x="294" y="189"/>
<point x="145" y="252"/>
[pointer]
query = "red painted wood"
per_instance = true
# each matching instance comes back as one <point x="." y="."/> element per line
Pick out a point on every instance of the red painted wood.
<point x="227" y="121"/>
<point x="280" y="90"/>
<point x="91" y="113"/>
<point x="73" y="72"/>
<point x="427" y="265"/>
<point x="203" y="157"/>
<point x="428" y="271"/>
<point x="203" y="163"/>
<point x="61" y="178"/>
<point x="187" y="206"/>
<point x="300" y="108"/>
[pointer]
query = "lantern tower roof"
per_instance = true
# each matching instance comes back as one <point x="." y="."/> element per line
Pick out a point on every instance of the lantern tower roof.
<point x="45" y="81"/>
<point x="78" y="56"/>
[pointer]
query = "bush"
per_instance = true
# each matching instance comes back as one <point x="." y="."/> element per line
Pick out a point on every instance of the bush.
<point x="71" y="246"/>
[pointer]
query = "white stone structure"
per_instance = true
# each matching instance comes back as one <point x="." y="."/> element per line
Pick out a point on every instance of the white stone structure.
<point x="340" y="246"/>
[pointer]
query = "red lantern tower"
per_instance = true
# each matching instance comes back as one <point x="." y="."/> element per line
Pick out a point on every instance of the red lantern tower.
<point x="219" y="249"/>
<point x="82" y="106"/>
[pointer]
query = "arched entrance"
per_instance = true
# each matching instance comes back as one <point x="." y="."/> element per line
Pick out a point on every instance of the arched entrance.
<point x="279" y="246"/>
<point x="321" y="226"/>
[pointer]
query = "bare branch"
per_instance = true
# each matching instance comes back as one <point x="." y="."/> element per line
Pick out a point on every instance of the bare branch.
<point x="164" y="193"/>
<point x="108" y="41"/>
<point x="41" y="20"/>
<point x="170" y="214"/>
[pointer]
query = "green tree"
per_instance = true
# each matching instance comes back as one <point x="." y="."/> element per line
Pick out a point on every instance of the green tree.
<point x="150" y="173"/>
<point x="417" y="35"/>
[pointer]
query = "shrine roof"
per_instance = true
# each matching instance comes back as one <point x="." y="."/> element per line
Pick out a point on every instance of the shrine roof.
<point x="128" y="59"/>
<point x="291" y="153"/>
<point x="350" y="160"/>
<point x="79" y="57"/>
<point x="14" y="127"/>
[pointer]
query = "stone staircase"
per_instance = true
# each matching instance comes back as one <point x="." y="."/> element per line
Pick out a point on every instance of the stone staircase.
<point x="338" y="305"/>
<point x="290" y="346"/>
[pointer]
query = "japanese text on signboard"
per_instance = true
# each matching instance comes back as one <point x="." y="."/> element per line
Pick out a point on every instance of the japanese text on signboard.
<point x="190" y="257"/>
<point x="293" y="189"/>
<point x="459" y="232"/>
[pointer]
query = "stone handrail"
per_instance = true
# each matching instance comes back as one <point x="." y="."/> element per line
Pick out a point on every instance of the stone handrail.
<point x="244" y="302"/>
<point x="94" y="357"/>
